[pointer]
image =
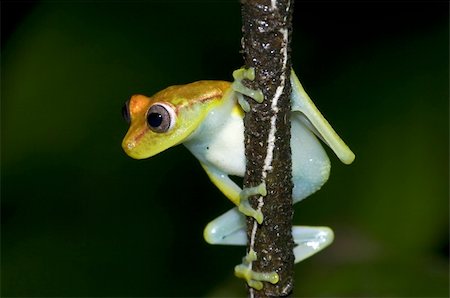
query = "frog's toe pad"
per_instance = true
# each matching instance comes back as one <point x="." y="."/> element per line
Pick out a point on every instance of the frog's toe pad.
<point x="245" y="208"/>
<point x="244" y="205"/>
<point x="249" y="74"/>
<point x="254" y="279"/>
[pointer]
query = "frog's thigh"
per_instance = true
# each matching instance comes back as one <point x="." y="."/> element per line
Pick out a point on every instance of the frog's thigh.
<point x="310" y="240"/>
<point x="229" y="229"/>
<point x="310" y="163"/>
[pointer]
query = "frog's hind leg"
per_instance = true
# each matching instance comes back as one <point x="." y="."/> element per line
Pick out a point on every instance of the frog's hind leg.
<point x="310" y="240"/>
<point x="316" y="122"/>
<point x="228" y="229"/>
<point x="310" y="163"/>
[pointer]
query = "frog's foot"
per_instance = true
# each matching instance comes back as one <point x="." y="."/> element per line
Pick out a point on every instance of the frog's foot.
<point x="254" y="279"/>
<point x="242" y="102"/>
<point x="228" y="229"/>
<point x="310" y="240"/>
<point x="239" y="75"/>
<point x="244" y="204"/>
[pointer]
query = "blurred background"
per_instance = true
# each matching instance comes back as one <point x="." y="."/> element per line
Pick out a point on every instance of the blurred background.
<point x="80" y="218"/>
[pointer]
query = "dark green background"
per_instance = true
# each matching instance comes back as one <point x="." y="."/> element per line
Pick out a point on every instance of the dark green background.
<point x="80" y="218"/>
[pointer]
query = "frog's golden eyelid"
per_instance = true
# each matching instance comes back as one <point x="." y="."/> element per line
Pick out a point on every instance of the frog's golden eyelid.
<point x="138" y="104"/>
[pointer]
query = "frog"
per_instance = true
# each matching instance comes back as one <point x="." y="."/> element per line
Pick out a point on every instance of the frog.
<point x="207" y="118"/>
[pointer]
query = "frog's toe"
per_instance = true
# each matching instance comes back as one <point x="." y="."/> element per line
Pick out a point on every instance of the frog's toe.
<point x="248" y="210"/>
<point x="254" y="279"/>
<point x="244" y="205"/>
<point x="246" y="74"/>
<point x="310" y="240"/>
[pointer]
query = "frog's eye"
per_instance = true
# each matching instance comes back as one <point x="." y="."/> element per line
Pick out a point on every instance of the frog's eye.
<point x="126" y="112"/>
<point x="160" y="118"/>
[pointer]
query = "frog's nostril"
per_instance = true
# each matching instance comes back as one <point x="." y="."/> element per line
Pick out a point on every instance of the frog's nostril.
<point x="131" y="145"/>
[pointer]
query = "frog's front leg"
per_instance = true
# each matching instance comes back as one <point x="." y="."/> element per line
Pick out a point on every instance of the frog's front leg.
<point x="245" y="74"/>
<point x="233" y="192"/>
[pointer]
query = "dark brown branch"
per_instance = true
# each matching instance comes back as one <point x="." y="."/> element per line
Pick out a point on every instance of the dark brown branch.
<point x="266" y="45"/>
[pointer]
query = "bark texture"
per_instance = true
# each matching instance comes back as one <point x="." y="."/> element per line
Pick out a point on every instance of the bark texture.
<point x="266" y="46"/>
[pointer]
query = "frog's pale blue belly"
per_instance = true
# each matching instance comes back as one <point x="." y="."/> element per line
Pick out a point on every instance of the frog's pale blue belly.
<point x="219" y="142"/>
<point x="226" y="149"/>
<point x="310" y="163"/>
<point x="221" y="146"/>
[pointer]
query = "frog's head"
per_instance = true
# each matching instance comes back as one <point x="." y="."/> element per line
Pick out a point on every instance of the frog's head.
<point x="168" y="117"/>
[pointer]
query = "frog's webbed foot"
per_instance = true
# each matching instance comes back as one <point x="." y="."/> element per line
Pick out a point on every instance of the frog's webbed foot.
<point x="310" y="240"/>
<point x="229" y="229"/>
<point x="254" y="279"/>
<point x="245" y="74"/>
<point x="244" y="204"/>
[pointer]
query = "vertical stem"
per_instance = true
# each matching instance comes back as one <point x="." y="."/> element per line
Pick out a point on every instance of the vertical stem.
<point x="266" y="44"/>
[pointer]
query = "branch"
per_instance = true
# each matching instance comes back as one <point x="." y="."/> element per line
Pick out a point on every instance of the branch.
<point x="266" y="44"/>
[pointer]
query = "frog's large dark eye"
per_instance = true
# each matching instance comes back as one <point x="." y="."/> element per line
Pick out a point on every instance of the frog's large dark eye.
<point x="160" y="117"/>
<point x="126" y="112"/>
